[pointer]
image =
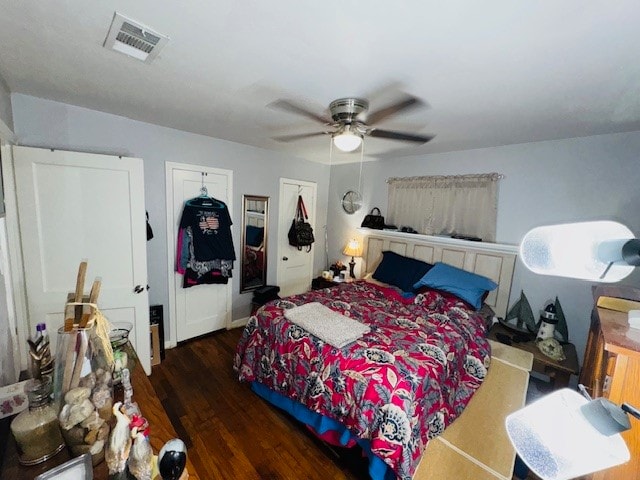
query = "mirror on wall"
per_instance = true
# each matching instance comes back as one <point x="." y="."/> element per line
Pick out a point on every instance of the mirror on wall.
<point x="255" y="214"/>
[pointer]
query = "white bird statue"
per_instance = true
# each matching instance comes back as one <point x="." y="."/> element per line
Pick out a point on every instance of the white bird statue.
<point x="141" y="455"/>
<point x="117" y="451"/>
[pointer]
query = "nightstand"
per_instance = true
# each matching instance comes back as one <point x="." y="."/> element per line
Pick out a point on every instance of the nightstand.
<point x="558" y="372"/>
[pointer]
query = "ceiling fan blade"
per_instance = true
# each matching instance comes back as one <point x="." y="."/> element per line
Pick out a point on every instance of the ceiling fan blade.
<point x="408" y="101"/>
<point x="300" y="136"/>
<point x="291" y="107"/>
<point x="406" y="137"/>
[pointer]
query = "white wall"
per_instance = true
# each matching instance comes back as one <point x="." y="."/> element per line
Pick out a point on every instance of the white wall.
<point x="44" y="123"/>
<point x="545" y="182"/>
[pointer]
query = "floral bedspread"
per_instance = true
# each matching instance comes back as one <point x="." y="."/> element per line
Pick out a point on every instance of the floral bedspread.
<point x="397" y="386"/>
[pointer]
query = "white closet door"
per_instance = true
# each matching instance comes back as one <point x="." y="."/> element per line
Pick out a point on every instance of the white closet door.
<point x="202" y="308"/>
<point x="74" y="206"/>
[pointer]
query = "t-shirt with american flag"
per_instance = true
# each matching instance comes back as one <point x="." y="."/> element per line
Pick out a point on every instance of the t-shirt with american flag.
<point x="211" y="230"/>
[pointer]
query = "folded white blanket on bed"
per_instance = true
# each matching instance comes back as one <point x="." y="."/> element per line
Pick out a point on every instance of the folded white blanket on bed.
<point x="329" y="326"/>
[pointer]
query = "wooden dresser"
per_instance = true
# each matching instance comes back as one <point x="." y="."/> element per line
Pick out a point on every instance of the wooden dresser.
<point x="611" y="369"/>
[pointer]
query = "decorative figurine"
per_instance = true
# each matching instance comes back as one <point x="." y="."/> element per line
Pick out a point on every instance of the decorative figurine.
<point x="337" y="267"/>
<point x="520" y="317"/>
<point x="551" y="348"/>
<point x="172" y="459"/>
<point x="548" y="322"/>
<point x="561" y="328"/>
<point x="129" y="406"/>
<point x="546" y="339"/>
<point x="141" y="454"/>
<point x="117" y="451"/>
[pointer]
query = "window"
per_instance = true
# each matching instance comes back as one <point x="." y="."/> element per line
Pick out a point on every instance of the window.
<point x="455" y="204"/>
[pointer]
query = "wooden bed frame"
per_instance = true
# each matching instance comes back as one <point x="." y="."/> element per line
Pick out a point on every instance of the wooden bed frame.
<point x="492" y="260"/>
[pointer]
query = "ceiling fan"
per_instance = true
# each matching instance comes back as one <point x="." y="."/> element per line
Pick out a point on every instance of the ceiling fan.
<point x="346" y="127"/>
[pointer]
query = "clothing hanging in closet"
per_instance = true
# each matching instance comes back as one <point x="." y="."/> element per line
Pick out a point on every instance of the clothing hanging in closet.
<point x="205" y="252"/>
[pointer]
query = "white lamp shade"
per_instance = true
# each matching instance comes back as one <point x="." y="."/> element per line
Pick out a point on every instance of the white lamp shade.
<point x="347" y="141"/>
<point x="578" y="250"/>
<point x="555" y="440"/>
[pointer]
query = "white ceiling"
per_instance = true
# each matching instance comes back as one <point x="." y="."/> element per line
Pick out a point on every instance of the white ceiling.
<point x="494" y="72"/>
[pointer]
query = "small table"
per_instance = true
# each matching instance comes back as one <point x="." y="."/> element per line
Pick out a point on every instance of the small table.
<point x="558" y="372"/>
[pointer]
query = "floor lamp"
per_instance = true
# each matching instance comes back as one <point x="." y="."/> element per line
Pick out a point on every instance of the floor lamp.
<point x="564" y="434"/>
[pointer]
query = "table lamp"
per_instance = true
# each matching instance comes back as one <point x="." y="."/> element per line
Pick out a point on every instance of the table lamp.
<point x="353" y="249"/>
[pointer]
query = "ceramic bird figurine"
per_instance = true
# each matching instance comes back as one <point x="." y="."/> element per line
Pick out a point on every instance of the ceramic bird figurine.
<point x="172" y="460"/>
<point x="141" y="455"/>
<point x="117" y="451"/>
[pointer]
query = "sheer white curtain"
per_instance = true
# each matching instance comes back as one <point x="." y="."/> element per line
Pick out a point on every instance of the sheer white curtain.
<point x="456" y="204"/>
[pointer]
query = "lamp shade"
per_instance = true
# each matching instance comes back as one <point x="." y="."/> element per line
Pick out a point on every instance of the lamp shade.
<point x="603" y="251"/>
<point x="353" y="248"/>
<point x="556" y="441"/>
<point x="347" y="141"/>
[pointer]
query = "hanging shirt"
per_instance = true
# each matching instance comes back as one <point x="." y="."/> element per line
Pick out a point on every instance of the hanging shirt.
<point x="210" y="229"/>
<point x="205" y="251"/>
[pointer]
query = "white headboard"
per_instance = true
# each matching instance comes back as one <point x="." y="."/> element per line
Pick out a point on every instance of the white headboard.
<point x="492" y="260"/>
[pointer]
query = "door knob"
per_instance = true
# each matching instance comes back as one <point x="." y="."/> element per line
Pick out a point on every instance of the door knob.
<point x="138" y="289"/>
<point x="285" y="259"/>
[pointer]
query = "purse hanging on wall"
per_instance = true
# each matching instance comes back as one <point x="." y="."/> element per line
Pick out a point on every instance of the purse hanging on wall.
<point x="373" y="220"/>
<point x="301" y="234"/>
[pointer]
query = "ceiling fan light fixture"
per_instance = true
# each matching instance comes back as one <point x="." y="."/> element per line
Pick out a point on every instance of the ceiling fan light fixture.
<point x="347" y="141"/>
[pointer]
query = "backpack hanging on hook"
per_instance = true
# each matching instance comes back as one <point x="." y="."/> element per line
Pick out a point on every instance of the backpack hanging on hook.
<point x="301" y="233"/>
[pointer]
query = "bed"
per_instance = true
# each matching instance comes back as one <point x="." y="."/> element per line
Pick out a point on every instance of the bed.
<point x="399" y="385"/>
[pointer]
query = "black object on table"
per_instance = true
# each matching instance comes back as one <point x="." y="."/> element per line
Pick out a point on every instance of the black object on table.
<point x="319" y="283"/>
<point x="263" y="295"/>
<point x="266" y="293"/>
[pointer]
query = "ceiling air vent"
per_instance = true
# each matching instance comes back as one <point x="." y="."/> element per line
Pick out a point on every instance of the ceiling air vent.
<point x="134" y="39"/>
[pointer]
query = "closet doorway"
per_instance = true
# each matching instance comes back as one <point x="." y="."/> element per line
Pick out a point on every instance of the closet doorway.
<point x="200" y="309"/>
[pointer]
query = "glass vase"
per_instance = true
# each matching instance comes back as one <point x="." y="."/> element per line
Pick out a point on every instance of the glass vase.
<point x="83" y="391"/>
<point x="36" y="430"/>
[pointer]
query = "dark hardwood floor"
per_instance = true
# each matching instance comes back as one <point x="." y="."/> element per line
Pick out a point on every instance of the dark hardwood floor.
<point x="230" y="432"/>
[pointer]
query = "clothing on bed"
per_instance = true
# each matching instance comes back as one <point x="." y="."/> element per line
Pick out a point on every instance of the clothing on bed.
<point x="205" y="251"/>
<point x="397" y="386"/>
<point x="329" y="326"/>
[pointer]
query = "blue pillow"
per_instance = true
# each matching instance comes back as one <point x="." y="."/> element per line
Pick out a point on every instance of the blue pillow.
<point x="400" y="271"/>
<point x="467" y="286"/>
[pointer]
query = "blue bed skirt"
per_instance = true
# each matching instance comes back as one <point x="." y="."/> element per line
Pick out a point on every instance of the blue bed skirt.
<point x="378" y="470"/>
